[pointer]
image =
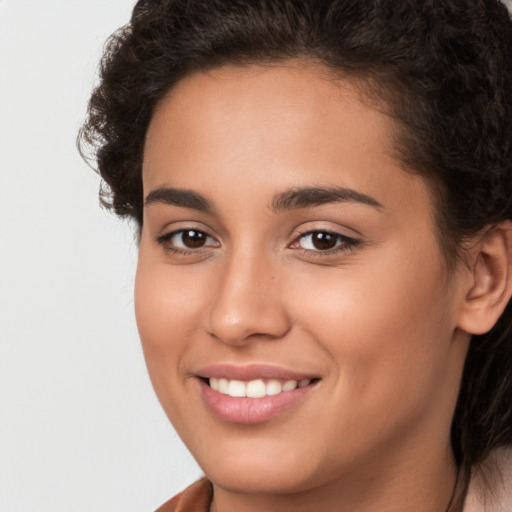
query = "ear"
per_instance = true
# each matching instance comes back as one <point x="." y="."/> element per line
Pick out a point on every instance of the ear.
<point x="489" y="285"/>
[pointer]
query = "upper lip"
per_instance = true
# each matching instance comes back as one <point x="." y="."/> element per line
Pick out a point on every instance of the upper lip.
<point x="252" y="372"/>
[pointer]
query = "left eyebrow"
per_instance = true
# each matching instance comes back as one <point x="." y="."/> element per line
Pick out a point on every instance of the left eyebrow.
<point x="314" y="196"/>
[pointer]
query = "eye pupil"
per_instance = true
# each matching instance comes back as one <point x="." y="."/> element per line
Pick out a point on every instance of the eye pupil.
<point x="193" y="239"/>
<point x="323" y="241"/>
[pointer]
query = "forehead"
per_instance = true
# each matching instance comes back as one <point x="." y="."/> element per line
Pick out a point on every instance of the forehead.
<point x="297" y="107"/>
<point x="273" y="127"/>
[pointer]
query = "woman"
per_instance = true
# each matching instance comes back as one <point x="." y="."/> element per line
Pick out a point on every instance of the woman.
<point x="325" y="268"/>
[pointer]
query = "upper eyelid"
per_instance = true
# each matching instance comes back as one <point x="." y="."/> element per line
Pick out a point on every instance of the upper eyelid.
<point x="333" y="231"/>
<point x="166" y="234"/>
<point x="171" y="228"/>
<point x="341" y="236"/>
<point x="326" y="225"/>
<point x="166" y="244"/>
<point x="170" y="233"/>
<point x="344" y="243"/>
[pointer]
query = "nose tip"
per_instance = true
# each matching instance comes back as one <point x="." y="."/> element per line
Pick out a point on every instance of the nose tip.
<point x="245" y="307"/>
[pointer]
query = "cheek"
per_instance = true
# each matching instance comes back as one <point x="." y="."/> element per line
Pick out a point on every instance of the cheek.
<point x="166" y="304"/>
<point x="387" y="329"/>
<point x="167" y="308"/>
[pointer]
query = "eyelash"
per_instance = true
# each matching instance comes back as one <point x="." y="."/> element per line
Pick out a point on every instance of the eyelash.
<point x="343" y="243"/>
<point x="166" y="242"/>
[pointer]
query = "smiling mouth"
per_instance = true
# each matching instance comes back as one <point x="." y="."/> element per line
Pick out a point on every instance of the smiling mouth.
<point x="253" y="401"/>
<point x="257" y="388"/>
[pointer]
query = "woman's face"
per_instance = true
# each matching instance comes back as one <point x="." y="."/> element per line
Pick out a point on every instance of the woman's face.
<point x="284" y="245"/>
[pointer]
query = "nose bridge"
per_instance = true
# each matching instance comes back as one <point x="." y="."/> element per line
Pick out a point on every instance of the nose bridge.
<point x="247" y="300"/>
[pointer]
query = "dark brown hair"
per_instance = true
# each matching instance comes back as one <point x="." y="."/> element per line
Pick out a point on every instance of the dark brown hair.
<point x="442" y="67"/>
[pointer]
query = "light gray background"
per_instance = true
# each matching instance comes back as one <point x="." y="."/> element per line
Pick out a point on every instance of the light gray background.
<point x="80" y="428"/>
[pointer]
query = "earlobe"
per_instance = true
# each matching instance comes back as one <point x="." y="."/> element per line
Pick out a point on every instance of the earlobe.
<point x="490" y="282"/>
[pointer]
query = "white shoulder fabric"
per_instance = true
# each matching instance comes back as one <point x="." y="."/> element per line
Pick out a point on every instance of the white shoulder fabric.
<point x="508" y="3"/>
<point x="490" y="489"/>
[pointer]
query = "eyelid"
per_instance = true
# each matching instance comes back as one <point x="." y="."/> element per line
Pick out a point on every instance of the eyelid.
<point x="181" y="224"/>
<point x="334" y="226"/>
<point x="344" y="243"/>
<point x="165" y="240"/>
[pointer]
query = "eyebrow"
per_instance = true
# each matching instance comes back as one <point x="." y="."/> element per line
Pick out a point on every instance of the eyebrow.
<point x="179" y="197"/>
<point x="292" y="199"/>
<point x="314" y="196"/>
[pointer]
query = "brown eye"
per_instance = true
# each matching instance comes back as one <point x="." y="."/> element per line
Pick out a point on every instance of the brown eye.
<point x="193" y="239"/>
<point x="323" y="241"/>
<point x="187" y="240"/>
<point x="319" y="240"/>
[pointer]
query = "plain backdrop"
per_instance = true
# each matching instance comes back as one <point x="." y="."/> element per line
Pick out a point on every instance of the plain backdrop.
<point x="80" y="428"/>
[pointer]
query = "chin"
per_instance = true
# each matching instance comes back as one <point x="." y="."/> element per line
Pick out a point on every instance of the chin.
<point x="258" y="466"/>
<point x="267" y="479"/>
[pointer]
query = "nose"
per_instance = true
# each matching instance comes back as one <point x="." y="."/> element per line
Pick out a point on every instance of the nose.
<point x="247" y="303"/>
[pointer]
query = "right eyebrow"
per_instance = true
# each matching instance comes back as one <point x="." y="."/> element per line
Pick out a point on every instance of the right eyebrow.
<point x="179" y="197"/>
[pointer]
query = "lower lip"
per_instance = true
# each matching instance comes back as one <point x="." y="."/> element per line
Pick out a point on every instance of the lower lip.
<point x="252" y="410"/>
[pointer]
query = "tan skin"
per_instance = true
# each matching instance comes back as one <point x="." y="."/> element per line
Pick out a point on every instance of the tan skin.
<point x="371" y="310"/>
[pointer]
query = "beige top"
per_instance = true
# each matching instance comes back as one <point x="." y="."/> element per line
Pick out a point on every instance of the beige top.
<point x="195" y="498"/>
<point x="490" y="489"/>
<point x="495" y="473"/>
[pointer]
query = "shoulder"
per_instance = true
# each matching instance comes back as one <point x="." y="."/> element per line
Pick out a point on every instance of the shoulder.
<point x="490" y="489"/>
<point x="195" y="498"/>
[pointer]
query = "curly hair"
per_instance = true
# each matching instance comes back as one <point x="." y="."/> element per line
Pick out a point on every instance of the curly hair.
<point x="442" y="68"/>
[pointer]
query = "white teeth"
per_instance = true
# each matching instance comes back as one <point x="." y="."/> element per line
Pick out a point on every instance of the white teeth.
<point x="224" y="386"/>
<point x="255" y="388"/>
<point x="289" y="385"/>
<point x="237" y="388"/>
<point x="274" y="387"/>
